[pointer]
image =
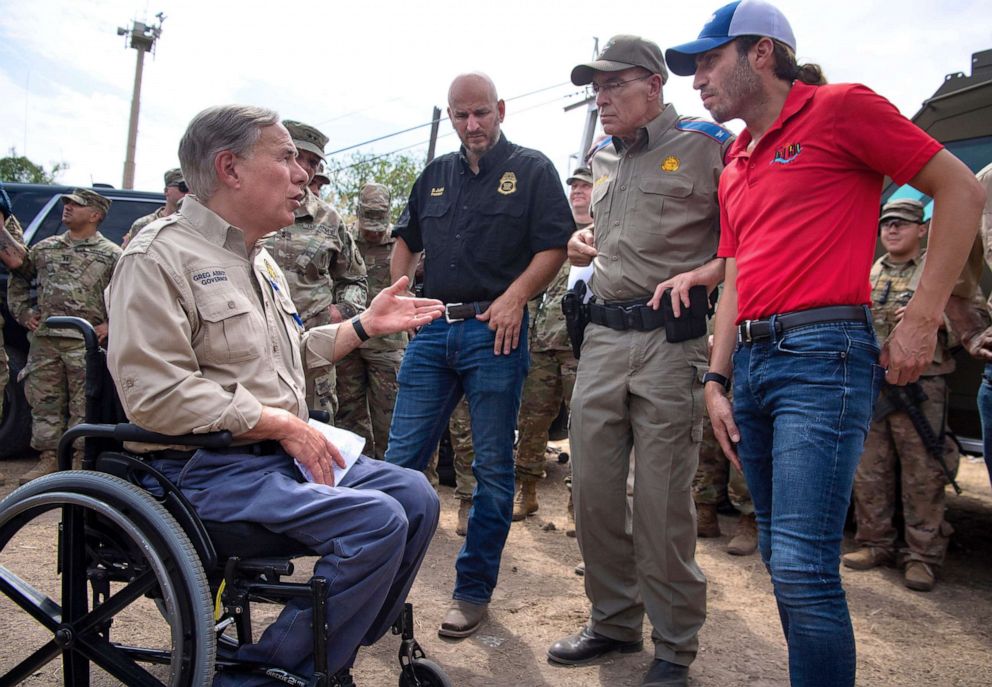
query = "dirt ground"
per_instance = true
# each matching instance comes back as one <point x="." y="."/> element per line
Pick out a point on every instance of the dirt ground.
<point x="905" y="638"/>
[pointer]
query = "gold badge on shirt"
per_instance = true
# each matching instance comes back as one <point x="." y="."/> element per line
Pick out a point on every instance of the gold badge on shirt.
<point x="507" y="183"/>
<point x="671" y="164"/>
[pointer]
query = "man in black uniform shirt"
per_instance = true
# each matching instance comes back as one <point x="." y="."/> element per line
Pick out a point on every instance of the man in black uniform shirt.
<point x="493" y="222"/>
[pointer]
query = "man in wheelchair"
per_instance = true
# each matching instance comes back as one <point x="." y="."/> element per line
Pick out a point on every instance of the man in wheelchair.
<point x="204" y="337"/>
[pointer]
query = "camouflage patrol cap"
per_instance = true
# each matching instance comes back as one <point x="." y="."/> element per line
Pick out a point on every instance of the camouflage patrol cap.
<point x="88" y="198"/>
<point x="904" y="209"/>
<point x="373" y="207"/>
<point x="622" y="52"/>
<point x="174" y="177"/>
<point x="321" y="173"/>
<point x="306" y="137"/>
<point x="580" y="174"/>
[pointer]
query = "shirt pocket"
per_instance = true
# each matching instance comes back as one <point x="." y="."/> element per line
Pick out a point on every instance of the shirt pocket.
<point x="95" y="271"/>
<point x="228" y="333"/>
<point x="600" y="203"/>
<point x="662" y="202"/>
<point x="502" y="231"/>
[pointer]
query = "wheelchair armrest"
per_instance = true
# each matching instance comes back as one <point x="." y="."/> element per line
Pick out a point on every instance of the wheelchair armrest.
<point x="80" y="325"/>
<point x="320" y="416"/>
<point x="130" y="432"/>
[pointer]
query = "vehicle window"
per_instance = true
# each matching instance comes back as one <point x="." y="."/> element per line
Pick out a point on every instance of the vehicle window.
<point x="122" y="214"/>
<point x="27" y="204"/>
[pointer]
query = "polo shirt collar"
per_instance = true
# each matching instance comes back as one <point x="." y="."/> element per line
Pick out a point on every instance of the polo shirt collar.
<point x="800" y="94"/>
<point x="652" y="132"/>
<point x="213" y="227"/>
<point x="494" y="157"/>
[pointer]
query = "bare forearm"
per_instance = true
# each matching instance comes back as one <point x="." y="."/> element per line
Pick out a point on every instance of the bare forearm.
<point x="542" y="269"/>
<point x="725" y="332"/>
<point x="402" y="262"/>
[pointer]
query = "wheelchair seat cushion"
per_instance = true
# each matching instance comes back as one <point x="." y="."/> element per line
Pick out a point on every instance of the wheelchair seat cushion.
<point x="251" y="540"/>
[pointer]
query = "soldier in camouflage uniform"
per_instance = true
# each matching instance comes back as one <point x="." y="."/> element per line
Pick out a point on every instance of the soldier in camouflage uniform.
<point x="895" y="456"/>
<point x="175" y="190"/>
<point x="13" y="254"/>
<point x="460" y="430"/>
<point x="552" y="365"/>
<point x="326" y="274"/>
<point x="72" y="270"/>
<point x="366" y="377"/>
<point x="319" y="181"/>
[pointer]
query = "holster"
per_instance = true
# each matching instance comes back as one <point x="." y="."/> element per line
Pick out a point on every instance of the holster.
<point x="576" y="312"/>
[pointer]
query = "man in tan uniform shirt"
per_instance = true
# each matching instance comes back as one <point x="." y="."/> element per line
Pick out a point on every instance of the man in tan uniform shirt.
<point x="656" y="228"/>
<point x="204" y="336"/>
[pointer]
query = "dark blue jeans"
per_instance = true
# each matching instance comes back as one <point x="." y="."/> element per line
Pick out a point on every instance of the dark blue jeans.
<point x="803" y="402"/>
<point x="442" y="362"/>
<point x="985" y="410"/>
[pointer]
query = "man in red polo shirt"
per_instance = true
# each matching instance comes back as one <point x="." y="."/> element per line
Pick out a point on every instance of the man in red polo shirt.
<point x="799" y="201"/>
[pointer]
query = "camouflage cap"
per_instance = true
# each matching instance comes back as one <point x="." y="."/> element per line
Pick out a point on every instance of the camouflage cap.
<point x="622" y="52"/>
<point x="580" y="174"/>
<point x="373" y="207"/>
<point x="904" y="209"/>
<point x="174" y="177"/>
<point x="306" y="137"/>
<point x="88" y="198"/>
<point x="321" y="173"/>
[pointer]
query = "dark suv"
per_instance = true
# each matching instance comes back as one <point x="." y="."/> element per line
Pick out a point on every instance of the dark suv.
<point x="39" y="210"/>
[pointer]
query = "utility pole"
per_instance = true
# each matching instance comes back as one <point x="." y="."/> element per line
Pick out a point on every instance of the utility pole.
<point x="142" y="38"/>
<point x="435" y="122"/>
<point x="592" y="115"/>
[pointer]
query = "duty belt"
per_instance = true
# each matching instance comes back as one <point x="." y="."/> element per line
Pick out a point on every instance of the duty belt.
<point x="457" y="312"/>
<point x="626" y="315"/>
<point x="750" y="331"/>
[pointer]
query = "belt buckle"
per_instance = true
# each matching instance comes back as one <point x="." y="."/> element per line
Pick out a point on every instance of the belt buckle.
<point x="744" y="332"/>
<point x="448" y="318"/>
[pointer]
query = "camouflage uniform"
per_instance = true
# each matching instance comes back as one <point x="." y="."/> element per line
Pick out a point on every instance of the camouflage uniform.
<point x="550" y="380"/>
<point x="460" y="428"/>
<point x="13" y="227"/>
<point x="71" y="276"/>
<point x="894" y="454"/>
<point x="141" y="223"/>
<point x="323" y="268"/>
<point x="366" y="377"/>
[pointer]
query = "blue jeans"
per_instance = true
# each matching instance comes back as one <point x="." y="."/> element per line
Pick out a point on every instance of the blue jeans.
<point x="803" y="403"/>
<point x="442" y="362"/>
<point x="985" y="410"/>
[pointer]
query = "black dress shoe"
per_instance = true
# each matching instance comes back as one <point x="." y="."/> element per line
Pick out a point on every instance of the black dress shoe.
<point x="665" y="674"/>
<point x="586" y="646"/>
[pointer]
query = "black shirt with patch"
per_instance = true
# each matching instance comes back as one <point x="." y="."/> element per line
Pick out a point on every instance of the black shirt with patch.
<point x="479" y="232"/>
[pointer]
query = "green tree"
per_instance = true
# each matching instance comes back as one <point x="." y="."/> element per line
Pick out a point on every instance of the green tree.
<point x="396" y="171"/>
<point x="17" y="168"/>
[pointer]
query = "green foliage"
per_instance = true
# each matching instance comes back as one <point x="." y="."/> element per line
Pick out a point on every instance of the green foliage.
<point x="396" y="171"/>
<point x="17" y="168"/>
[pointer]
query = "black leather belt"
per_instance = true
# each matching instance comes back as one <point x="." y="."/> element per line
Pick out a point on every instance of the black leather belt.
<point x="624" y="315"/>
<point x="260" y="448"/>
<point x="750" y="331"/>
<point x="457" y="312"/>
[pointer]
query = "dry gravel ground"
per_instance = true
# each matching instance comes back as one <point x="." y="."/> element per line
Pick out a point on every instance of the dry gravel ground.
<point x="905" y="638"/>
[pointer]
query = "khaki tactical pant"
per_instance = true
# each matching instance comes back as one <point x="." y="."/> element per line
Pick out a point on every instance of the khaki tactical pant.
<point x="636" y="391"/>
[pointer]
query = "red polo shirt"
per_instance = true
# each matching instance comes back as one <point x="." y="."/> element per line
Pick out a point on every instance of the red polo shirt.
<point x="799" y="213"/>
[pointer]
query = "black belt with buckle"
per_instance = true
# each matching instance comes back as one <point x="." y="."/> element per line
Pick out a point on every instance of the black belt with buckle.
<point x="750" y="331"/>
<point x="624" y="315"/>
<point x="457" y="312"/>
<point x="260" y="448"/>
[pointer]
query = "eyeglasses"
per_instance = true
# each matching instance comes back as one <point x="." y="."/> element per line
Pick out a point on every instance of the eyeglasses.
<point x="896" y="224"/>
<point x="181" y="185"/>
<point x="611" y="87"/>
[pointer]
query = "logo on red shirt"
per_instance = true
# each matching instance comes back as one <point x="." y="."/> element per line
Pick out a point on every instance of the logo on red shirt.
<point x="787" y="154"/>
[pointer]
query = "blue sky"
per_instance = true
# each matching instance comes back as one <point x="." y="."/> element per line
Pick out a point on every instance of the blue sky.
<point x="361" y="70"/>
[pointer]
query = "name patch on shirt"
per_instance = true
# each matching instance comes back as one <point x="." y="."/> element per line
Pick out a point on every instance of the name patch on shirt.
<point x="787" y="154"/>
<point x="507" y="183"/>
<point x="210" y="277"/>
<point x="437" y="191"/>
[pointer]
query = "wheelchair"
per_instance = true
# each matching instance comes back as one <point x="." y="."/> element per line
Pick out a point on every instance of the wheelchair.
<point x="135" y="583"/>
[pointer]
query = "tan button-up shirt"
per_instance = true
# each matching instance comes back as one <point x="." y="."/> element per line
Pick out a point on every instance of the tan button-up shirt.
<point x="655" y="205"/>
<point x="203" y="334"/>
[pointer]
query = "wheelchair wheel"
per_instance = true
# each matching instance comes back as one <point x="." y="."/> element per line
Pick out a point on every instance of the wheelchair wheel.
<point x="95" y="571"/>
<point x="428" y="674"/>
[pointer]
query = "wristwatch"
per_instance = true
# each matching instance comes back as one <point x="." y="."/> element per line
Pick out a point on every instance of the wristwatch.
<point x="718" y="378"/>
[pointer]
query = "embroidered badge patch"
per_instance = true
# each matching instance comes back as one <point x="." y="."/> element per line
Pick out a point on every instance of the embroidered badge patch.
<point x="437" y="191"/>
<point x="507" y="183"/>
<point x="671" y="164"/>
<point x="787" y="154"/>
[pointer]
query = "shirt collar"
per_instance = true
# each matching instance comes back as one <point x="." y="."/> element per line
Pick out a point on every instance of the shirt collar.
<point x="651" y="133"/>
<point x="493" y="157"/>
<point x="309" y="207"/>
<point x="800" y="94"/>
<point x="213" y="227"/>
<point x="912" y="262"/>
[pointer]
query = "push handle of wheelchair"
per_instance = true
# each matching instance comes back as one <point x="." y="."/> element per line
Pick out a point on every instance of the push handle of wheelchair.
<point x="80" y="325"/>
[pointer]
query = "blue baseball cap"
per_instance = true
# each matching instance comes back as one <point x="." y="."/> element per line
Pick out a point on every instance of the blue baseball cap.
<point x="740" y="18"/>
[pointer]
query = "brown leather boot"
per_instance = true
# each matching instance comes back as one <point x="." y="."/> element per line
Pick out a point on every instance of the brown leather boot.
<point x="707" y="523"/>
<point x="464" y="507"/>
<point x="46" y="465"/>
<point x="525" y="502"/>
<point x="867" y="558"/>
<point x="920" y="576"/>
<point x="745" y="541"/>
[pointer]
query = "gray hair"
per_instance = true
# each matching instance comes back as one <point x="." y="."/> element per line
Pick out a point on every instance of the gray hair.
<point x="225" y="127"/>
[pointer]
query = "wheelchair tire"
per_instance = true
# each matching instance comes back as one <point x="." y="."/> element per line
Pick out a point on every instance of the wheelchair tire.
<point x="113" y="540"/>
<point x="429" y="674"/>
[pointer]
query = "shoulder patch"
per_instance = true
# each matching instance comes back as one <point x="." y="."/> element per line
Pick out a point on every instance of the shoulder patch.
<point x="701" y="126"/>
